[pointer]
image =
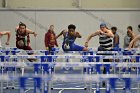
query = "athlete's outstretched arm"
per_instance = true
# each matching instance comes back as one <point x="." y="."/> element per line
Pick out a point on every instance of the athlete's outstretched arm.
<point x="31" y="32"/>
<point x="62" y="32"/>
<point x="8" y="33"/>
<point x="77" y="34"/>
<point x="89" y="38"/>
<point x="133" y="42"/>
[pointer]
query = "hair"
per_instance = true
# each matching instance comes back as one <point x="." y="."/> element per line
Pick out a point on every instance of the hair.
<point x="103" y="24"/>
<point x="51" y="25"/>
<point x="51" y="31"/>
<point x="130" y="27"/>
<point x="72" y="26"/>
<point x="22" y="24"/>
<point x="139" y="26"/>
<point x="114" y="28"/>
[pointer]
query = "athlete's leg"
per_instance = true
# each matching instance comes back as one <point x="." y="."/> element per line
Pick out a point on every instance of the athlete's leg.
<point x="75" y="47"/>
<point x="29" y="53"/>
<point x="28" y="48"/>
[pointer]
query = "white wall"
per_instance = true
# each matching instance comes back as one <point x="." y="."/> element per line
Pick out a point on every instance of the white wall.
<point x="110" y="3"/>
<point x="86" y="22"/>
<point x="0" y="3"/>
<point x="40" y="3"/>
<point x="69" y="3"/>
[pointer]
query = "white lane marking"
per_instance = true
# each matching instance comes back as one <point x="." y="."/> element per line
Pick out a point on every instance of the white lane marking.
<point x="61" y="91"/>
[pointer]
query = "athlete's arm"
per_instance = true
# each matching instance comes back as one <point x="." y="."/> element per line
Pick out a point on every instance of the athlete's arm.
<point x="77" y="34"/>
<point x="62" y="33"/>
<point x="92" y="35"/>
<point x="8" y="33"/>
<point x="134" y="42"/>
<point x="31" y="32"/>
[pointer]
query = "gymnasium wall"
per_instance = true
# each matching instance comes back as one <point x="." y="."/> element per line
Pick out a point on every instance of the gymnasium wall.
<point x="87" y="22"/>
<point x="110" y="3"/>
<point x="0" y="3"/>
<point x="40" y="3"/>
<point x="71" y="3"/>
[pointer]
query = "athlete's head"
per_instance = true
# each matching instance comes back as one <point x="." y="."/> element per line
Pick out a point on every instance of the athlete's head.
<point x="22" y="26"/>
<point x="71" y="29"/>
<point x="103" y="26"/>
<point x="51" y="28"/>
<point x="114" y="29"/>
<point x="139" y="27"/>
<point x="129" y="28"/>
<point x="129" y="31"/>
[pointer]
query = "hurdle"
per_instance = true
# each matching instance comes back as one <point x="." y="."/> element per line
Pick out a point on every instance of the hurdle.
<point x="7" y="51"/>
<point x="107" y="63"/>
<point x="97" y="78"/>
<point x="14" y="52"/>
<point x="24" y="56"/>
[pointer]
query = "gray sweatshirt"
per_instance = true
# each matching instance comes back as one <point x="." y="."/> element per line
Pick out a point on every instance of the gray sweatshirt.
<point x="126" y="41"/>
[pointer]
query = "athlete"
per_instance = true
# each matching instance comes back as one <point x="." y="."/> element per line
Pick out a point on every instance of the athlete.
<point x="69" y="39"/>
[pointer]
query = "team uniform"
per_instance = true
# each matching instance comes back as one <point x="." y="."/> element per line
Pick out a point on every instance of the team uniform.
<point x="69" y="45"/>
<point x="105" y="42"/>
<point x="50" y="40"/>
<point x="22" y="40"/>
<point x="115" y="45"/>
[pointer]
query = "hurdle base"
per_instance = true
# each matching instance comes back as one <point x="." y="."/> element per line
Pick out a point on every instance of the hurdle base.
<point x="9" y="87"/>
<point x="115" y="88"/>
<point x="85" y="88"/>
<point x="31" y="88"/>
<point x="70" y="88"/>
